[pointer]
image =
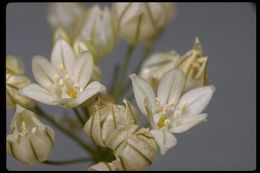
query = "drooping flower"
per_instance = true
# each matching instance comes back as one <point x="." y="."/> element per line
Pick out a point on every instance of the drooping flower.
<point x="29" y="140"/>
<point x="106" y="118"/>
<point x="171" y="112"/>
<point x="193" y="64"/>
<point x="134" y="147"/>
<point x="65" y="80"/>
<point x="140" y="22"/>
<point x="98" y="29"/>
<point x="15" y="80"/>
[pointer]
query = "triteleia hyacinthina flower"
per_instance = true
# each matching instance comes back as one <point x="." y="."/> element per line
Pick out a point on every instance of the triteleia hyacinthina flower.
<point x="193" y="64"/>
<point x="64" y="81"/>
<point x="29" y="140"/>
<point x="99" y="30"/>
<point x="171" y="111"/>
<point x="141" y="22"/>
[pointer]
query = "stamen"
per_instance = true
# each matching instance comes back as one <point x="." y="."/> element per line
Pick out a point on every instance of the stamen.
<point x="33" y="130"/>
<point x="24" y="129"/>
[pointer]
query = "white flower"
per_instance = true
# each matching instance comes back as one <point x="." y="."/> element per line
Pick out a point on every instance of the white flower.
<point x="64" y="81"/>
<point x="140" y="22"/>
<point x="29" y="140"/>
<point x="170" y="112"/>
<point x="98" y="29"/>
<point x="65" y="15"/>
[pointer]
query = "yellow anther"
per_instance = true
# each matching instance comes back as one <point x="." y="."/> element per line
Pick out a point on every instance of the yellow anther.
<point x="71" y="92"/>
<point x="161" y="122"/>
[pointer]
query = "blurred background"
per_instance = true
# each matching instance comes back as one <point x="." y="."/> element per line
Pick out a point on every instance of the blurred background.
<point x="227" y="31"/>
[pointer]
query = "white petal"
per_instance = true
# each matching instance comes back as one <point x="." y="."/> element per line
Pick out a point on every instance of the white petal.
<point x="142" y="90"/>
<point x="43" y="71"/>
<point x="63" y="55"/>
<point x="84" y="68"/>
<point x="103" y="166"/>
<point x="38" y="93"/>
<point x="195" y="101"/>
<point x="164" y="140"/>
<point x="171" y="86"/>
<point x="92" y="89"/>
<point x="185" y="123"/>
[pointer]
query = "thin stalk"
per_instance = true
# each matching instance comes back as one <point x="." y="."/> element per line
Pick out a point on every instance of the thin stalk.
<point x="77" y="113"/>
<point x="121" y="74"/>
<point x="63" y="162"/>
<point x="147" y="51"/>
<point x="64" y="130"/>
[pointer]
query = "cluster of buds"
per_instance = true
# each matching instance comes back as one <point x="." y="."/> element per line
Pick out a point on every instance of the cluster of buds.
<point x="193" y="64"/>
<point x="100" y="28"/>
<point x="15" y="80"/>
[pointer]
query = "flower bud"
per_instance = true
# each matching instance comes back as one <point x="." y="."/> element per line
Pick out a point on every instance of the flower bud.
<point x="15" y="80"/>
<point x="141" y="22"/>
<point x="102" y="166"/>
<point x="157" y="64"/>
<point x="60" y="33"/>
<point x="29" y="140"/>
<point x="134" y="147"/>
<point x="192" y="63"/>
<point x="98" y="29"/>
<point x="194" y="66"/>
<point x="107" y="118"/>
<point x="65" y="15"/>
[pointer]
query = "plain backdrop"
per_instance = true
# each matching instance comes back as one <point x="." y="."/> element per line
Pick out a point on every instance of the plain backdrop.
<point x="227" y="31"/>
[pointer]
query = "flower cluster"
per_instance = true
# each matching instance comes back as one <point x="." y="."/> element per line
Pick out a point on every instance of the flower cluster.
<point x="170" y="90"/>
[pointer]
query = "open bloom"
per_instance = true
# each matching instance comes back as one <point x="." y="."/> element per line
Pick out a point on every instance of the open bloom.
<point x="171" y="112"/>
<point x="65" y="80"/>
<point x="29" y="141"/>
<point x="98" y="29"/>
<point x="140" y="22"/>
<point x="193" y="64"/>
<point x="15" y="80"/>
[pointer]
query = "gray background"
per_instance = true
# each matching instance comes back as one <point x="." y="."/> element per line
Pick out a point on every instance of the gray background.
<point x="228" y="35"/>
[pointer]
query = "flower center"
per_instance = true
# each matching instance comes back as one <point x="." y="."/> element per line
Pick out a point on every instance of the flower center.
<point x="164" y="112"/>
<point x="67" y="84"/>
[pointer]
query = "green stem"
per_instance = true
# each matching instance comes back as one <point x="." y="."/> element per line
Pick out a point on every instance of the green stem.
<point x="147" y="51"/>
<point x="77" y="113"/>
<point x="63" y="162"/>
<point x="64" y="130"/>
<point x="122" y="71"/>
